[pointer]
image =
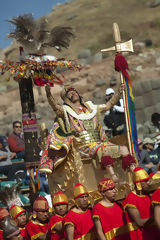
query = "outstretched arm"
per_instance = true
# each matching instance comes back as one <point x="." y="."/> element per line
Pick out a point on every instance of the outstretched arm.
<point x="55" y="106"/>
<point x="112" y="101"/>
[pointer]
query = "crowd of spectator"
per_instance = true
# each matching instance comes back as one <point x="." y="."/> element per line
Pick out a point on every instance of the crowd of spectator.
<point x="148" y="144"/>
<point x="12" y="156"/>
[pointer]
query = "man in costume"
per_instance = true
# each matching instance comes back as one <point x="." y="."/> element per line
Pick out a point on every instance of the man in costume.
<point x="76" y="118"/>
<point x="37" y="229"/>
<point x="156" y="200"/>
<point x="55" y="226"/>
<point x="78" y="221"/>
<point x="137" y="206"/>
<point x="108" y="226"/>
<point x="20" y="217"/>
<point x="3" y="214"/>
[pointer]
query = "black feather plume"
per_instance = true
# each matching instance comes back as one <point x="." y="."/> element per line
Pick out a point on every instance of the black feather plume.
<point x="35" y="36"/>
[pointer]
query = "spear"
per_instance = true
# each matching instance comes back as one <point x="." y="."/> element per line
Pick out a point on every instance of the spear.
<point x="119" y="48"/>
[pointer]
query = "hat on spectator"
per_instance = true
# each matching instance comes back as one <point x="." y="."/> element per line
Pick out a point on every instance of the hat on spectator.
<point x="148" y="140"/>
<point x="140" y="141"/>
<point x="109" y="91"/>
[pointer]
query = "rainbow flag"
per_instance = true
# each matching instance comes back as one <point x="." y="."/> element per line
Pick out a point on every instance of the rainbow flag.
<point x="130" y="109"/>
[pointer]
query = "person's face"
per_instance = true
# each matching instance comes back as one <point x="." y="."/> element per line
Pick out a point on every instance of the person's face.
<point x="109" y="194"/>
<point x="61" y="209"/>
<point x="42" y="216"/>
<point x="108" y="97"/>
<point x="73" y="96"/>
<point x="82" y="201"/>
<point x="140" y="146"/>
<point x="22" y="219"/>
<point x="144" y="185"/>
<point x="17" y="128"/>
<point x="149" y="146"/>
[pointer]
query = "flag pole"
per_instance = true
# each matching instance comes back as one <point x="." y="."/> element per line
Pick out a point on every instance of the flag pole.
<point x="119" y="48"/>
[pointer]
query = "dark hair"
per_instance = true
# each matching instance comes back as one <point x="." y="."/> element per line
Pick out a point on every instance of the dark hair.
<point x="155" y="117"/>
<point x="15" y="122"/>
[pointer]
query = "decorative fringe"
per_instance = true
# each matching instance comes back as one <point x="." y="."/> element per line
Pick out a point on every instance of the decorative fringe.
<point x="107" y="160"/>
<point x="128" y="161"/>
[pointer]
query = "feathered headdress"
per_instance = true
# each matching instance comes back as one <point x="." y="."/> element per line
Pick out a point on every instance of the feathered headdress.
<point x="10" y="195"/>
<point x="35" y="35"/>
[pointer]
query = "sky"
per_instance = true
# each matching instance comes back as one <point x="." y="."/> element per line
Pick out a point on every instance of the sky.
<point x="14" y="8"/>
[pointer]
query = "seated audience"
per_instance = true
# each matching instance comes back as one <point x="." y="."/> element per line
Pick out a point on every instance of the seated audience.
<point x="6" y="165"/>
<point x="152" y="127"/>
<point x="16" y="140"/>
<point x="144" y="158"/>
<point x="148" y="144"/>
<point x="115" y="117"/>
<point x="155" y="154"/>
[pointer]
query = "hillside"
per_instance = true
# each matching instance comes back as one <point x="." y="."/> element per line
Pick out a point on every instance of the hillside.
<point x="92" y="22"/>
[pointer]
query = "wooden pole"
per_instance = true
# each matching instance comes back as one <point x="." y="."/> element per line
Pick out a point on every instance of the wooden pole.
<point x="126" y="118"/>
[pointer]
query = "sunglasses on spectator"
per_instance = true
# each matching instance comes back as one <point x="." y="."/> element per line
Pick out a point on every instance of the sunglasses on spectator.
<point x="18" y="126"/>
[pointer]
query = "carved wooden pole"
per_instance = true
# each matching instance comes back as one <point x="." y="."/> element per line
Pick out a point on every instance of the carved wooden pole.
<point x="29" y="127"/>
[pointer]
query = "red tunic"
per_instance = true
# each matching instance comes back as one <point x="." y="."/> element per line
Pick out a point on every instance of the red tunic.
<point x="54" y="220"/>
<point x="112" y="220"/>
<point x="83" y="224"/>
<point x="23" y="232"/>
<point x="1" y="234"/>
<point x="156" y="197"/>
<point x="143" y="204"/>
<point x="35" y="229"/>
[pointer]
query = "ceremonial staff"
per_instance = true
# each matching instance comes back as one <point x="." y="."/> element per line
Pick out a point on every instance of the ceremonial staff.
<point x="119" y="48"/>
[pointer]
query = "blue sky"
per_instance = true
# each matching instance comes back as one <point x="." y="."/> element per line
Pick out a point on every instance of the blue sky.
<point x="12" y="8"/>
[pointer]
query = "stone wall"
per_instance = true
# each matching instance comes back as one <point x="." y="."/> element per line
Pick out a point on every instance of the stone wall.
<point x="147" y="99"/>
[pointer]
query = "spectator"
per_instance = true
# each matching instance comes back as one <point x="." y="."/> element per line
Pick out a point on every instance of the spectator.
<point x="6" y="166"/>
<point x="16" y="140"/>
<point x="152" y="128"/>
<point x="155" y="154"/>
<point x="115" y="118"/>
<point x="144" y="159"/>
<point x="148" y="144"/>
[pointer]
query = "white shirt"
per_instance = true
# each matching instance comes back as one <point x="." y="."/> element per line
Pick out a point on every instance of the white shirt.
<point x="117" y="108"/>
